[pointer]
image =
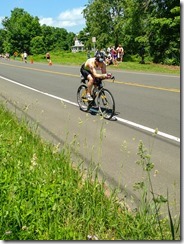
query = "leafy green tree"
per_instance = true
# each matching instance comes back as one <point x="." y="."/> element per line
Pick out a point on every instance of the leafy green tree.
<point x="7" y="47"/>
<point x="20" y="28"/>
<point x="2" y="37"/>
<point x="164" y="31"/>
<point x="135" y="27"/>
<point x="48" y="38"/>
<point x="70" y="40"/>
<point x="104" y="20"/>
<point x="85" y="37"/>
<point x="152" y="24"/>
<point x="60" y="39"/>
<point x="37" y="45"/>
<point x="55" y="38"/>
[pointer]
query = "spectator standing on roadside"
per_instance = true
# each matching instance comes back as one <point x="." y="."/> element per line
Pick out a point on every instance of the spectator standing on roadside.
<point x="7" y="55"/>
<point x="120" y="53"/>
<point x="114" y="56"/>
<point x="48" y="57"/>
<point x="15" y="54"/>
<point x="25" y="56"/>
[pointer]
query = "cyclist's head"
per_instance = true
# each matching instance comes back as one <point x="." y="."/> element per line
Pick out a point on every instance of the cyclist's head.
<point x="100" y="57"/>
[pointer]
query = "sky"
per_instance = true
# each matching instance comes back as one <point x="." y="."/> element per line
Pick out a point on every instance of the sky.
<point x="57" y="13"/>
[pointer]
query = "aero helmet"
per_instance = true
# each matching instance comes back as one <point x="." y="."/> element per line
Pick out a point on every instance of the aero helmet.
<point x="100" y="57"/>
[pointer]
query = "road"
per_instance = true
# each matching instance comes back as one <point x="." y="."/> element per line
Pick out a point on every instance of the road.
<point x="47" y="96"/>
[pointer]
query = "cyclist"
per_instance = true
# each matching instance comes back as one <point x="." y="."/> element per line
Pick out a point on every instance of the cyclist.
<point x="89" y="71"/>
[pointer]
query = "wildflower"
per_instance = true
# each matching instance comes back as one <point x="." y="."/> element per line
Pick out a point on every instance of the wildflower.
<point x="24" y="227"/>
<point x="92" y="237"/>
<point x="33" y="161"/>
<point x="56" y="148"/>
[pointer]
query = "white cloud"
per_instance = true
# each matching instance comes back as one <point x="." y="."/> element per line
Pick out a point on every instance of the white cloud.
<point x="71" y="20"/>
<point x="47" y="21"/>
<point x="66" y="19"/>
<point x="74" y="14"/>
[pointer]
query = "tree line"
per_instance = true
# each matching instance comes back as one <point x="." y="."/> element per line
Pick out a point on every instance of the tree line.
<point x="23" y="32"/>
<point x="152" y="26"/>
<point x="149" y="26"/>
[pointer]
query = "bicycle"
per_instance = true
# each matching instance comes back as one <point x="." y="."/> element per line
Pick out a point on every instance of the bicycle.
<point x="102" y="97"/>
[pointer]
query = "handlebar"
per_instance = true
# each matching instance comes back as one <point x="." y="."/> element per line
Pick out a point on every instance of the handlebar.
<point x="110" y="76"/>
<point x="113" y="78"/>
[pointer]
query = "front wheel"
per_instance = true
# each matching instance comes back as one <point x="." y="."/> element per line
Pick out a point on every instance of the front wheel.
<point x="106" y="104"/>
<point x="81" y="98"/>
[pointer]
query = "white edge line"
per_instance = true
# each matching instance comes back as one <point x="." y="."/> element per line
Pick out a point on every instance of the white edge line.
<point x="148" y="129"/>
<point x="118" y="118"/>
<point x="44" y="93"/>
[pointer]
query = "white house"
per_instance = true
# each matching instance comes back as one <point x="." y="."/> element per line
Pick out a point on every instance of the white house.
<point x="78" y="46"/>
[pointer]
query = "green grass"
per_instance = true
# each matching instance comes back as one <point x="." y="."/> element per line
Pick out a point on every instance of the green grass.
<point x="45" y="197"/>
<point x="70" y="58"/>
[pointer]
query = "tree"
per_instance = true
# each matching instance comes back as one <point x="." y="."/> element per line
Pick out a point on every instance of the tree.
<point x="104" y="20"/>
<point x="55" y="38"/>
<point x="37" y="45"/>
<point x="150" y="24"/>
<point x="20" y="28"/>
<point x="164" y="31"/>
<point x="69" y="40"/>
<point x="2" y="37"/>
<point x="85" y="37"/>
<point x="60" y="39"/>
<point x="48" y="39"/>
<point x="135" y="26"/>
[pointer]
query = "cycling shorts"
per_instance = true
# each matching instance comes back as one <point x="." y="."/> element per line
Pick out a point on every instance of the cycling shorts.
<point x="85" y="72"/>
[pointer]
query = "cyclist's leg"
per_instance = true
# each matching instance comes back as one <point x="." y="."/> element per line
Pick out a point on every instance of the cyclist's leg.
<point x="90" y="84"/>
<point x="88" y="76"/>
<point x="83" y="72"/>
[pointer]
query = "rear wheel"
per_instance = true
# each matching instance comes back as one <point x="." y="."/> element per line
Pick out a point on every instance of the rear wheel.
<point x="106" y="103"/>
<point x="81" y="98"/>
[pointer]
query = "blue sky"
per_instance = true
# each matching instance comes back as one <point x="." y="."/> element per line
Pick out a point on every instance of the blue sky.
<point x="58" y="13"/>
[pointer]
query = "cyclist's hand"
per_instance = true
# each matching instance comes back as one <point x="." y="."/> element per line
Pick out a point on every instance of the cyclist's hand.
<point x="108" y="75"/>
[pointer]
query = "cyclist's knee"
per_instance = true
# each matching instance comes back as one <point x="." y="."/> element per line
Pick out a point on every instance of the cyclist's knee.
<point x="90" y="79"/>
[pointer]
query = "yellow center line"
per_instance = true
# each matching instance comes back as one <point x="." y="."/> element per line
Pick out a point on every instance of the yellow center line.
<point x="41" y="70"/>
<point x="116" y="81"/>
<point x="146" y="86"/>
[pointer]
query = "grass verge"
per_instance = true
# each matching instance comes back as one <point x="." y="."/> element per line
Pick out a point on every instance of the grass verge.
<point x="44" y="197"/>
<point x="69" y="58"/>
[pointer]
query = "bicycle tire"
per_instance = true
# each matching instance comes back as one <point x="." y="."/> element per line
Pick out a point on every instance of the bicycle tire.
<point x="81" y="98"/>
<point x="106" y="103"/>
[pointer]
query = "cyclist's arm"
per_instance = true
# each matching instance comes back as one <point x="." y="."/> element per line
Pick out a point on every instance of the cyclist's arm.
<point x="103" y="69"/>
<point x="97" y="75"/>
